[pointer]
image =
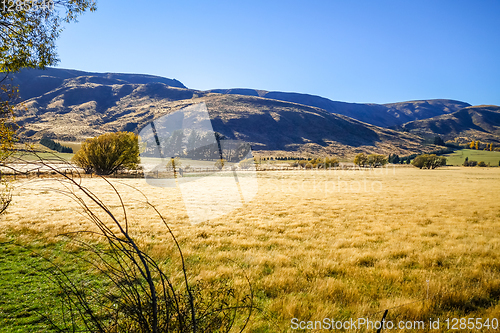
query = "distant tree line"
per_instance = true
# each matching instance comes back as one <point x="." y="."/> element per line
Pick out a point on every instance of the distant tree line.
<point x="478" y="145"/>
<point x="318" y="163"/>
<point x="396" y="159"/>
<point x="287" y="158"/>
<point x="470" y="163"/>
<point x="199" y="145"/>
<point x="51" y="144"/>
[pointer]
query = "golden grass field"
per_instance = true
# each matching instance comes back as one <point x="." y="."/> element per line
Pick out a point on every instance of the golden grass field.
<point x="318" y="244"/>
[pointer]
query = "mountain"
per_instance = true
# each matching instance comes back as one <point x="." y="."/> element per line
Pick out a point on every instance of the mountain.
<point x="86" y="106"/>
<point x="35" y="82"/>
<point x="384" y="115"/>
<point x="471" y="123"/>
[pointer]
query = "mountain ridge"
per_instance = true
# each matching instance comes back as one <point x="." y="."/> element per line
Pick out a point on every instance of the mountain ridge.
<point x="84" y="107"/>
<point x="480" y="122"/>
<point x="384" y="115"/>
<point x="71" y="106"/>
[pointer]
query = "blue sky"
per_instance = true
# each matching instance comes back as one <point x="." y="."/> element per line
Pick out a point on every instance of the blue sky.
<point x="354" y="51"/>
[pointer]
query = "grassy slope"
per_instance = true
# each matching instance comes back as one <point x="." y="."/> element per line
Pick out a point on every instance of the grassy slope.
<point x="458" y="157"/>
<point x="335" y="244"/>
<point x="42" y="151"/>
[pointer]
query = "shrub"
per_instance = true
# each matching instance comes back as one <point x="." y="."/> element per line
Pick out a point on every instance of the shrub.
<point x="481" y="164"/>
<point x="109" y="153"/>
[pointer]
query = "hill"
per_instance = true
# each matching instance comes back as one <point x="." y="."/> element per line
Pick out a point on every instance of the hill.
<point x="87" y="106"/>
<point x="471" y="123"/>
<point x="34" y="82"/>
<point x="384" y="115"/>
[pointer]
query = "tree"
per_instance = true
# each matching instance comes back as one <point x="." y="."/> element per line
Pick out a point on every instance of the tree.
<point x="192" y="141"/>
<point x="8" y="97"/>
<point x="466" y="162"/>
<point x="219" y="164"/>
<point x="472" y="163"/>
<point x="108" y="153"/>
<point x="438" y="141"/>
<point x="426" y="161"/>
<point x="27" y="40"/>
<point x="247" y="163"/>
<point x="393" y="158"/>
<point x="472" y="144"/>
<point x="361" y="159"/>
<point x="174" y="144"/>
<point x="28" y="32"/>
<point x="376" y="160"/>
<point x="51" y="144"/>
<point x="477" y="145"/>
<point x="331" y="162"/>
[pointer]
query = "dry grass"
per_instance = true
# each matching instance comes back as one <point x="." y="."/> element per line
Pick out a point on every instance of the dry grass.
<point x="320" y="244"/>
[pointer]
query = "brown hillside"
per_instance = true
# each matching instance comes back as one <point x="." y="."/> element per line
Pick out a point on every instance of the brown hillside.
<point x="87" y="106"/>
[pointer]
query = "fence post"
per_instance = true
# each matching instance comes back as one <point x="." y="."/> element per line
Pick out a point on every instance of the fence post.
<point x="382" y="321"/>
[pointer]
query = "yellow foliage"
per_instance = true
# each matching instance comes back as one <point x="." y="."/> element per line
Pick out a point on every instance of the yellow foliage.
<point x="108" y="153"/>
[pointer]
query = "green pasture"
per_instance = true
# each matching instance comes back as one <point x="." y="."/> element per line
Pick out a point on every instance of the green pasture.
<point x="28" y="297"/>
<point x="458" y="157"/>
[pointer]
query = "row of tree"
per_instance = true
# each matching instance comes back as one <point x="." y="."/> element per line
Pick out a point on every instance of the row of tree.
<point x="478" y="145"/>
<point x="51" y="144"/>
<point x="111" y="152"/>
<point x="372" y="160"/>
<point x="197" y="145"/>
<point x="318" y="163"/>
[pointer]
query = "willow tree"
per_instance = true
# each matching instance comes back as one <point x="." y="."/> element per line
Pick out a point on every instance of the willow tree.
<point x="28" y="31"/>
<point x="108" y="153"/>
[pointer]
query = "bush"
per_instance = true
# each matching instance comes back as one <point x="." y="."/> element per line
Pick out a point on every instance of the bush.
<point x="481" y="164"/>
<point x="109" y="153"/>
<point x="468" y="163"/>
<point x="426" y="161"/>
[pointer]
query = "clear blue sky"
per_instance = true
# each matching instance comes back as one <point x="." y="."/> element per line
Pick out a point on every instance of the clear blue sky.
<point x="355" y="51"/>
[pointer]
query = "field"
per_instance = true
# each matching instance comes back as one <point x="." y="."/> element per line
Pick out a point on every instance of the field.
<point x="458" y="157"/>
<point x="314" y="244"/>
